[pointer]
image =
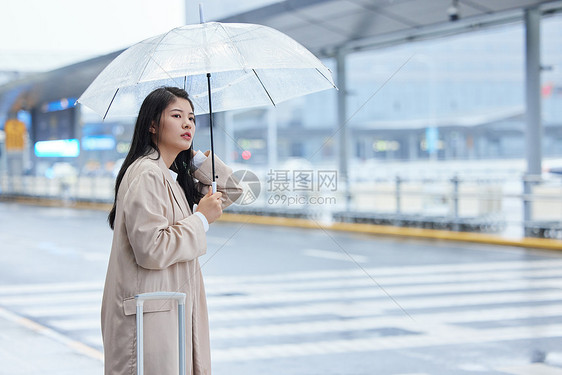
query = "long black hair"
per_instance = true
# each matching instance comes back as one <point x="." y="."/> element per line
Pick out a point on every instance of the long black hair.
<point x="142" y="144"/>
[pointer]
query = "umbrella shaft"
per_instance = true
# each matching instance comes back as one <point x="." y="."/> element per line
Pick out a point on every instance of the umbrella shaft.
<point x="211" y="126"/>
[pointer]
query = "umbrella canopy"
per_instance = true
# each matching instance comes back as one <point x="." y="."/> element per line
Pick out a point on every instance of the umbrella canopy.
<point x="251" y="65"/>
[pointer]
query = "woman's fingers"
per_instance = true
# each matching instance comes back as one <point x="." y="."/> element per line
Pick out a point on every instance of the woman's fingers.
<point x="210" y="206"/>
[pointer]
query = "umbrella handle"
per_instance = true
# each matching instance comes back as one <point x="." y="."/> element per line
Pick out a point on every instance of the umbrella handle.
<point x="214" y="186"/>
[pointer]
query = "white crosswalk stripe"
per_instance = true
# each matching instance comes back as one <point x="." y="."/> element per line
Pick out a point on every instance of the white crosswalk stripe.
<point x="437" y="337"/>
<point x="342" y="311"/>
<point x="338" y="325"/>
<point x="372" y="308"/>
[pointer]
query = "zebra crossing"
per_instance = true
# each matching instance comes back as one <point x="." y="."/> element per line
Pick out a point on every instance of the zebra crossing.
<point x="376" y="310"/>
<point x="72" y="309"/>
<point x="273" y="317"/>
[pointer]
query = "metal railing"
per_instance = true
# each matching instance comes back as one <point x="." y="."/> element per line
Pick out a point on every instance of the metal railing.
<point x="528" y="206"/>
<point x="86" y="188"/>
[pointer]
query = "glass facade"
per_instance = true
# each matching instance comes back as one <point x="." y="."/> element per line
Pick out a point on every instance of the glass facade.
<point x="469" y="87"/>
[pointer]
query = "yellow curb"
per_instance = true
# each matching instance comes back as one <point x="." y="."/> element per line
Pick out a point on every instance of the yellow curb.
<point x="46" y="202"/>
<point x="385" y="230"/>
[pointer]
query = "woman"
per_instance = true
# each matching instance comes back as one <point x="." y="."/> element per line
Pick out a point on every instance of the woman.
<point x="157" y="239"/>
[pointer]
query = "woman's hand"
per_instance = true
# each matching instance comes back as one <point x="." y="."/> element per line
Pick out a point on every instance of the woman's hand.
<point x="210" y="206"/>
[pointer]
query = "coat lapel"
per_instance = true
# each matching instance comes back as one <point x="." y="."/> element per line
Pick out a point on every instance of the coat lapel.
<point x="173" y="185"/>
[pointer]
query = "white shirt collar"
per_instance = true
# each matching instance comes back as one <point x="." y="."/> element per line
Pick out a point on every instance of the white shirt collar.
<point x="173" y="174"/>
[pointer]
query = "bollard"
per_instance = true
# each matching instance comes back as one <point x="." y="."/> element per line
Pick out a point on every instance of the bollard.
<point x="529" y="180"/>
<point x="455" y="181"/>
<point x="398" y="194"/>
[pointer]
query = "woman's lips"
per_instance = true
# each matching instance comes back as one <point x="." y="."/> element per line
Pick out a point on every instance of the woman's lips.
<point x="186" y="135"/>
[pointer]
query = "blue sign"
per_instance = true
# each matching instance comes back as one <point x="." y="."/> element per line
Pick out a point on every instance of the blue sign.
<point x="98" y="142"/>
<point x="25" y="117"/>
<point x="59" y="105"/>
<point x="66" y="148"/>
<point x="432" y="139"/>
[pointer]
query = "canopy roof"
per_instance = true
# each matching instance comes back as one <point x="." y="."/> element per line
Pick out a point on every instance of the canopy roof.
<point x="323" y="26"/>
<point x="40" y="88"/>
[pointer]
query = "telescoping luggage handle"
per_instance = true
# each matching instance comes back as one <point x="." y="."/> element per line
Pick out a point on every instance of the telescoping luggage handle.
<point x="140" y="298"/>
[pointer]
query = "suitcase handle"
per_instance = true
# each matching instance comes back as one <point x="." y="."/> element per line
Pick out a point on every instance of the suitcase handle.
<point x="180" y="298"/>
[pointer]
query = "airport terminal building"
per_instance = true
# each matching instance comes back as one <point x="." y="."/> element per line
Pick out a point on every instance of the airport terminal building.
<point x="455" y="98"/>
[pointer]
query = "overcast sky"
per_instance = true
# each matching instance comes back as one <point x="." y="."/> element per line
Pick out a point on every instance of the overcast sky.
<point x="45" y="34"/>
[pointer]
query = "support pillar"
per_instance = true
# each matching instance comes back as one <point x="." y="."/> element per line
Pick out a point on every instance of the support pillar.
<point x="342" y="126"/>
<point x="533" y="136"/>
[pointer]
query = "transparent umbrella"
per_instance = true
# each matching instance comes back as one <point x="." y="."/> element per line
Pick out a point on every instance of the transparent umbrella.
<point x="222" y="66"/>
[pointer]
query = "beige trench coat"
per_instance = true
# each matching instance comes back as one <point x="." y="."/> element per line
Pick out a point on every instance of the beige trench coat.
<point x="156" y="243"/>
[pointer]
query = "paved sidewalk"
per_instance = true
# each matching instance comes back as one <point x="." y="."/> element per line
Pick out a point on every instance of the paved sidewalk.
<point x="29" y="348"/>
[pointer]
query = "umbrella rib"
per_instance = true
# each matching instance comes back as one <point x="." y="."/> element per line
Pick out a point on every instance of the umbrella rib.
<point x="261" y="83"/>
<point x="150" y="57"/>
<point x="110" y="103"/>
<point x="327" y="79"/>
<point x="164" y="70"/>
<point x="227" y="33"/>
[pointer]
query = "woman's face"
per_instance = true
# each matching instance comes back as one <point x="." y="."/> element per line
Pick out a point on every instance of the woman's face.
<point x="177" y="128"/>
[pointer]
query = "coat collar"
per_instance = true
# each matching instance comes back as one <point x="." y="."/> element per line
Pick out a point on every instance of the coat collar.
<point x="153" y="155"/>
<point x="172" y="183"/>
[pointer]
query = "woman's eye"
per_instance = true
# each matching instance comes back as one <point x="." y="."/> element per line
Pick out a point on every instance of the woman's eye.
<point x="192" y="119"/>
<point x="176" y="116"/>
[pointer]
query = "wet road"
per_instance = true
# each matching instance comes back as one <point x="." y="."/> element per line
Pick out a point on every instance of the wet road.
<point x="303" y="302"/>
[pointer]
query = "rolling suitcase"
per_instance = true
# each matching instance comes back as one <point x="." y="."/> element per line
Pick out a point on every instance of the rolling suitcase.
<point x="180" y="298"/>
